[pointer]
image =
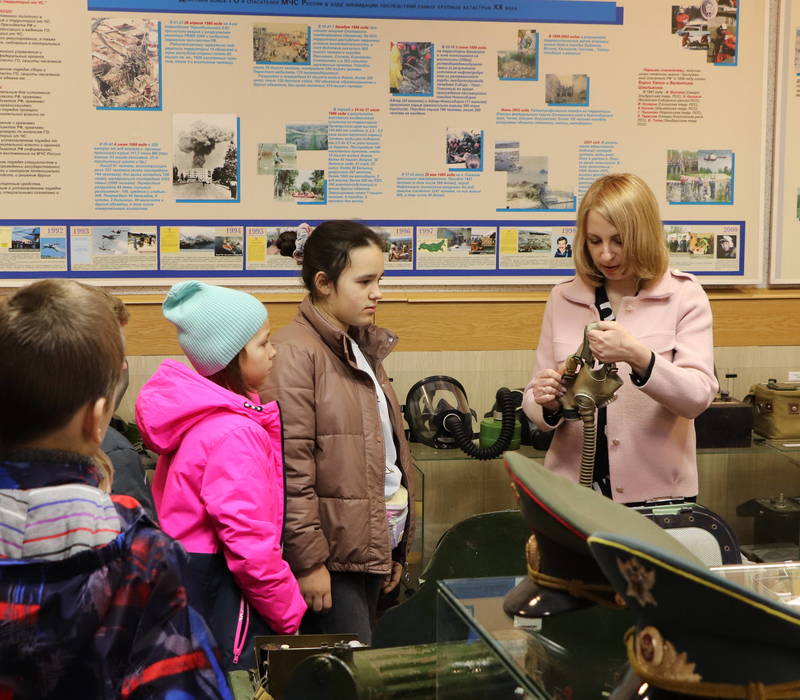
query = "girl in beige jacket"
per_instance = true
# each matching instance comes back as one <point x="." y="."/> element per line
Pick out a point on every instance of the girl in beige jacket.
<point x="348" y="466"/>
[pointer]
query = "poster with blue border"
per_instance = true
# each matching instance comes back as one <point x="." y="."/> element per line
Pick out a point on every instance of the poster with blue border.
<point x="149" y="140"/>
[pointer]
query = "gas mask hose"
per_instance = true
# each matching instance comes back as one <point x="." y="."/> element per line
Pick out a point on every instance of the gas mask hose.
<point x="586" y="410"/>
<point x="454" y="423"/>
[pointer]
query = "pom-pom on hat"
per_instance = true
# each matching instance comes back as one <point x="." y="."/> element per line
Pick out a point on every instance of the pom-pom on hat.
<point x="214" y="323"/>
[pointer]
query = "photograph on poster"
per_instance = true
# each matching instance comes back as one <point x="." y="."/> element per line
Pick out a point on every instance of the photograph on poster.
<point x="563" y="247"/>
<point x="109" y="240"/>
<point x="701" y="244"/>
<point x="281" y="43"/>
<point x="465" y="147"/>
<point x="276" y="156"/>
<point x="520" y="64"/>
<point x="205" y="159"/>
<point x="265" y="160"/>
<point x="272" y="240"/>
<point x="125" y="63"/>
<point x="447" y="239"/>
<point x="516" y="65"/>
<point x="53" y="248"/>
<point x="700" y="177"/>
<point x="682" y="15"/>
<point x="527" y="187"/>
<point x="25" y="238"/>
<point x="506" y="155"/>
<point x="677" y="240"/>
<point x="299" y="185"/>
<point x="722" y="31"/>
<point x="307" y="137"/>
<point x="693" y="33"/>
<point x="527" y="39"/>
<point x="410" y="68"/>
<point x="566" y="89"/>
<point x="200" y="238"/>
<point x="398" y="245"/>
<point x="726" y="246"/>
<point x="483" y="243"/>
<point x="531" y="240"/>
<point x="141" y="242"/>
<point x="228" y="245"/>
<point x="710" y="26"/>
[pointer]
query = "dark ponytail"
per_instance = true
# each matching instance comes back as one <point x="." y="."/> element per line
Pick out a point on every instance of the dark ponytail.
<point x="286" y="243"/>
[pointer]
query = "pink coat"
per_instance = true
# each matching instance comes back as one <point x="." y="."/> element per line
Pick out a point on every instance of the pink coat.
<point x="650" y="430"/>
<point x="219" y="484"/>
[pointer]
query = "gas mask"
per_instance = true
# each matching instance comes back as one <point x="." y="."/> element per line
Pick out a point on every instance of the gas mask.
<point x="429" y="403"/>
<point x="587" y="389"/>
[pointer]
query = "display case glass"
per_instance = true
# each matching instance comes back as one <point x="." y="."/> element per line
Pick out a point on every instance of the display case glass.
<point x="484" y="653"/>
<point x="780" y="581"/>
<point x="756" y="490"/>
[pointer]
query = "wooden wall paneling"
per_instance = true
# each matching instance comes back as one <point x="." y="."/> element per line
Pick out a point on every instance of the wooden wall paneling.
<point x="769" y="317"/>
<point x="753" y="365"/>
<point x="763" y="321"/>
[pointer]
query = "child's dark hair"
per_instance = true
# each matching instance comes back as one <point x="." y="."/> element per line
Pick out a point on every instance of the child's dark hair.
<point x="328" y="249"/>
<point x="286" y="242"/>
<point x="60" y="347"/>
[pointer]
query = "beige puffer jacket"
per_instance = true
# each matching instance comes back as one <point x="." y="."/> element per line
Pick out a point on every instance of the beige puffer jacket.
<point x="333" y="449"/>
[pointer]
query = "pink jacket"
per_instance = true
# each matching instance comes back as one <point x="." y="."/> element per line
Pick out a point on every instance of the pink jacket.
<point x="219" y="483"/>
<point x="650" y="430"/>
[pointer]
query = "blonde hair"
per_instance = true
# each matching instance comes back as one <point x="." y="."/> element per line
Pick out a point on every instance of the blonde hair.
<point x="105" y="470"/>
<point x="629" y="205"/>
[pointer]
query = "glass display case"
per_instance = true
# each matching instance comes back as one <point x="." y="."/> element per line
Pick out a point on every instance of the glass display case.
<point x="780" y="581"/>
<point x="743" y="485"/>
<point x="484" y="653"/>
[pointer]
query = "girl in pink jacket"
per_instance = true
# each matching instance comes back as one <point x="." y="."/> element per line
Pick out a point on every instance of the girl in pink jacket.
<point x="219" y="482"/>
<point x="654" y="323"/>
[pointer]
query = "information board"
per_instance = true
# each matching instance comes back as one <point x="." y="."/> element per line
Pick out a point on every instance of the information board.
<point x="146" y="140"/>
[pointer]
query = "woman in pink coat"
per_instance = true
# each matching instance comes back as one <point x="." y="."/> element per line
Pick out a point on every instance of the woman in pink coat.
<point x="219" y="484"/>
<point x="654" y="323"/>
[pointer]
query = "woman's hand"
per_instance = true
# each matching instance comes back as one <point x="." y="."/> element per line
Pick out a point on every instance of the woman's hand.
<point x="612" y="342"/>
<point x="547" y="388"/>
<point x="315" y="585"/>
<point x="391" y="579"/>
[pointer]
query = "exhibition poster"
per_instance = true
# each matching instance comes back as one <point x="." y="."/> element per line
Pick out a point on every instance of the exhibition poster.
<point x="153" y="140"/>
<point x="785" y="243"/>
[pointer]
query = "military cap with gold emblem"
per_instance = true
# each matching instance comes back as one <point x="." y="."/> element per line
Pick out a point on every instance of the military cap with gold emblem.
<point x="562" y="574"/>
<point x="698" y="634"/>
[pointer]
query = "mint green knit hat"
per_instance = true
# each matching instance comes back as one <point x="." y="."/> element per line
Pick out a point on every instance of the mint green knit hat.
<point x="214" y="323"/>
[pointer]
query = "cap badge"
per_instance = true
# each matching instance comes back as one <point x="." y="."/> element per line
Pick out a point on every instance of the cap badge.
<point x="659" y="658"/>
<point x="640" y="580"/>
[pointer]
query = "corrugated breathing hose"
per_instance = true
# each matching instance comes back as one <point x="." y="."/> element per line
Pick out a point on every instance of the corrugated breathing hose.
<point x="454" y="423"/>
